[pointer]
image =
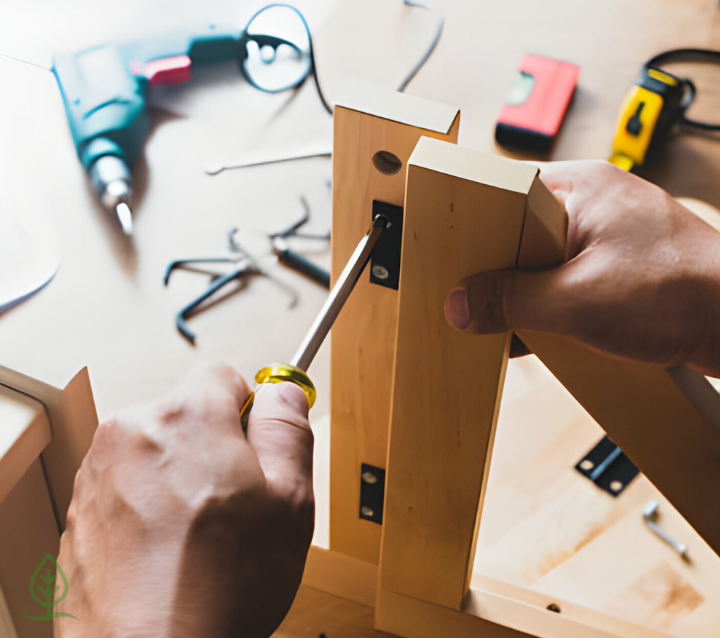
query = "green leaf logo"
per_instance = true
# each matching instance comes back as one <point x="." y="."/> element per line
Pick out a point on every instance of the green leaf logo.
<point x="43" y="588"/>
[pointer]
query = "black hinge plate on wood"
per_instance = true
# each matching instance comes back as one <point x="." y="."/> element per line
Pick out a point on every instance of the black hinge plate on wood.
<point x="385" y="261"/>
<point x="372" y="493"/>
<point x="607" y="466"/>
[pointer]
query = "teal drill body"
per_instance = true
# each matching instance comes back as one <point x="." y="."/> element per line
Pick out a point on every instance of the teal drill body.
<point x="104" y="91"/>
<point x="104" y="88"/>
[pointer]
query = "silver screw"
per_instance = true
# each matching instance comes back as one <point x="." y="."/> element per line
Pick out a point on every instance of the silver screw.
<point x="650" y="514"/>
<point x="366" y="511"/>
<point x="380" y="272"/>
<point x="369" y="477"/>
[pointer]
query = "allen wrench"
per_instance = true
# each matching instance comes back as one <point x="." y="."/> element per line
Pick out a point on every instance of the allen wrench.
<point x="291" y="258"/>
<point x="245" y="266"/>
<point x="650" y="516"/>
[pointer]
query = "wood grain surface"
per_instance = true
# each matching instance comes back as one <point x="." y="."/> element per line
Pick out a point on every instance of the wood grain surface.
<point x="363" y="338"/>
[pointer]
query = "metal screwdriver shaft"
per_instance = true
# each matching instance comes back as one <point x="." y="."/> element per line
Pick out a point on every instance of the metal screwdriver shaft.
<point x="338" y="296"/>
<point x="296" y="371"/>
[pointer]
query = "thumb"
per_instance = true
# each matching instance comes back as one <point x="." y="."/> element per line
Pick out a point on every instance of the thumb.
<point x="502" y="300"/>
<point x="279" y="432"/>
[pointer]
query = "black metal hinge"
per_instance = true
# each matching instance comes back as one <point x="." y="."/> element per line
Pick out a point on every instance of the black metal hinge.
<point x="372" y="493"/>
<point x="385" y="262"/>
<point x="607" y="466"/>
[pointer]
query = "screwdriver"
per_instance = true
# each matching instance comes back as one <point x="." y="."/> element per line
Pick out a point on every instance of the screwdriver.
<point x="296" y="371"/>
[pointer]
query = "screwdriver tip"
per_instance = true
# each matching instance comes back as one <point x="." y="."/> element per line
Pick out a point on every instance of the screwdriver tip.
<point x="125" y="217"/>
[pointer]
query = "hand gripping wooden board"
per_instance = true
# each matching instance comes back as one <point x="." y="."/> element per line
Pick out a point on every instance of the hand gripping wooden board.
<point x="466" y="212"/>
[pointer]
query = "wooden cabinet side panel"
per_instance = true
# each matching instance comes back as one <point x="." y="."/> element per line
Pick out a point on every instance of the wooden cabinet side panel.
<point x="363" y="337"/>
<point x="28" y="531"/>
<point x="446" y="385"/>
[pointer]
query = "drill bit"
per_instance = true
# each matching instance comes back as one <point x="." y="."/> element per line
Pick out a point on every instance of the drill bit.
<point x="125" y="217"/>
<point x="338" y="295"/>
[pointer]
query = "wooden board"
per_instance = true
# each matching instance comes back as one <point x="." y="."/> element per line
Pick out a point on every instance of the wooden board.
<point x="363" y="337"/>
<point x="28" y="531"/>
<point x="464" y="214"/>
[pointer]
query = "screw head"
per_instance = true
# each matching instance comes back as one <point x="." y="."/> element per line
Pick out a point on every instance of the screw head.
<point x="380" y="272"/>
<point x="369" y="477"/>
<point x="366" y="511"/>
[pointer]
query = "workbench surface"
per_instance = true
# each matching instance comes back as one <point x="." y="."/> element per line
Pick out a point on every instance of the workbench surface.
<point x="107" y="308"/>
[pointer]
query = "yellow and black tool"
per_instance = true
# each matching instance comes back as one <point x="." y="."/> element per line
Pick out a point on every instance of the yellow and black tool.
<point x="656" y="103"/>
<point x="296" y="371"/>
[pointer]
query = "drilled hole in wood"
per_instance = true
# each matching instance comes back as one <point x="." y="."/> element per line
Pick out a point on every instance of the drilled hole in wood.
<point x="386" y="162"/>
<point x="553" y="607"/>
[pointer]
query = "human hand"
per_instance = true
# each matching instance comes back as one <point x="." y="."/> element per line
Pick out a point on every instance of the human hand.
<point x="641" y="280"/>
<point x="179" y="526"/>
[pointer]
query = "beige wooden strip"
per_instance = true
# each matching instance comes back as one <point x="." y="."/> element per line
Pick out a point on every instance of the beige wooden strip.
<point x="363" y="338"/>
<point x="24" y="433"/>
<point x="525" y="610"/>
<point x="447" y="384"/>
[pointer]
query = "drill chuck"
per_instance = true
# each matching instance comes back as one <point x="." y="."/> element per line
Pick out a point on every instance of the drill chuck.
<point x="112" y="181"/>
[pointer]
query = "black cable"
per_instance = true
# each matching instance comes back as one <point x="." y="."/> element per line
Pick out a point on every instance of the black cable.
<point x="407" y="79"/>
<point x="687" y="55"/>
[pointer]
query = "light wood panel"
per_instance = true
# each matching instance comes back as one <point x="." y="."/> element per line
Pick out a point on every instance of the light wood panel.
<point x="464" y="213"/>
<point x="363" y="337"/>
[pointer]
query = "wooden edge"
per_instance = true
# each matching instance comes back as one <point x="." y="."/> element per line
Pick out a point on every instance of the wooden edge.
<point x="525" y="609"/>
<point x="47" y="394"/>
<point x="380" y="101"/>
<point x="341" y="575"/>
<point x="74" y="421"/>
<point x="23" y="452"/>
<point x="492" y="609"/>
<point x="414" y="618"/>
<point x="466" y="163"/>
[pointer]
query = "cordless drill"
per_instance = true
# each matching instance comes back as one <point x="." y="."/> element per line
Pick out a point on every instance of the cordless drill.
<point x="104" y="91"/>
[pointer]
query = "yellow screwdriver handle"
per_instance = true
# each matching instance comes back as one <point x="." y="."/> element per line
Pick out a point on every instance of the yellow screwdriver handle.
<point x="278" y="373"/>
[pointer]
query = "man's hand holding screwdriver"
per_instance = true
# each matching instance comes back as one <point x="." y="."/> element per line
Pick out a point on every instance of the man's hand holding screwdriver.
<point x="180" y="526"/>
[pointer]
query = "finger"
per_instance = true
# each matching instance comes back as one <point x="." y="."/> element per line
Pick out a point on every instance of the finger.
<point x="498" y="301"/>
<point x="279" y="432"/>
